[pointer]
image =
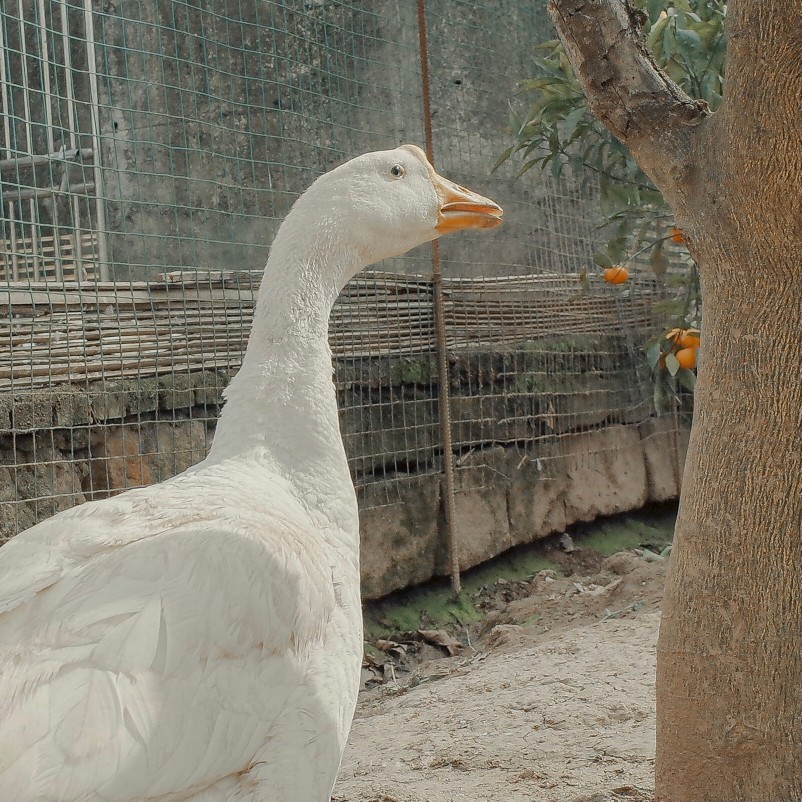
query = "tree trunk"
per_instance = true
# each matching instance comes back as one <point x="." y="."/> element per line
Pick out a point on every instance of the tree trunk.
<point x="729" y="676"/>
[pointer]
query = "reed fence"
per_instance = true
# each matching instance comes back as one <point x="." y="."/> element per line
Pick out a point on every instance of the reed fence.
<point x="86" y="332"/>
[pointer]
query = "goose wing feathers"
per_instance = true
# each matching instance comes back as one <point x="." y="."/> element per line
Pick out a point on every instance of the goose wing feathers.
<point x="112" y="686"/>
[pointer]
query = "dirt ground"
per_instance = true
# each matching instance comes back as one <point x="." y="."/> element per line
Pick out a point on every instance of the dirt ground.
<point x="548" y="697"/>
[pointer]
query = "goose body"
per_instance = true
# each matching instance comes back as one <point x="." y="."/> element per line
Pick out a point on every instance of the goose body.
<point x="201" y="639"/>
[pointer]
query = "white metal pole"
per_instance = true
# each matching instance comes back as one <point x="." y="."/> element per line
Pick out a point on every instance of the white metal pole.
<point x="14" y="276"/>
<point x="73" y="129"/>
<point x="100" y="206"/>
<point x="51" y="146"/>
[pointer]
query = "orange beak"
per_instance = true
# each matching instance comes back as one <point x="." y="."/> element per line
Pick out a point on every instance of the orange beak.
<point x="460" y="208"/>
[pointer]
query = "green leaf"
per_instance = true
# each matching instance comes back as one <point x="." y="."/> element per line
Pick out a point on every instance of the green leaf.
<point x="668" y="45"/>
<point x="687" y="379"/>
<point x="535" y="84"/>
<point x="653" y="354"/>
<point x="653" y="197"/>
<point x="688" y="41"/>
<point x="554" y="141"/>
<point x="672" y="364"/>
<point x="602" y="259"/>
<point x="503" y="157"/>
<point x="672" y="307"/>
<point x="615" y="248"/>
<point x="711" y="89"/>
<point x="550" y="67"/>
<point x="527" y="166"/>
<point x="577" y="165"/>
<point x="571" y="122"/>
<point x="654" y="8"/>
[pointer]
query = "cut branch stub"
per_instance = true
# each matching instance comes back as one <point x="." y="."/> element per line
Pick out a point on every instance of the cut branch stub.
<point x="625" y="89"/>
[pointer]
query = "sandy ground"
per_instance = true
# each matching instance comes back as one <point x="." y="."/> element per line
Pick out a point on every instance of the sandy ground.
<point x="551" y="699"/>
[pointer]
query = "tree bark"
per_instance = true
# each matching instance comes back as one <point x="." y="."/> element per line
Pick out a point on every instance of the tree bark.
<point x="729" y="677"/>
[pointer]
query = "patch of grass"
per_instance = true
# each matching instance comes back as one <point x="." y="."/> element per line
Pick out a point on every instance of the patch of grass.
<point x="432" y="606"/>
<point x="411" y="371"/>
<point x="622" y="532"/>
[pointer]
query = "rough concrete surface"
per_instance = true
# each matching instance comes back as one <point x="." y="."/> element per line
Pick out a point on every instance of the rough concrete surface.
<point x="507" y="496"/>
<point x="529" y="460"/>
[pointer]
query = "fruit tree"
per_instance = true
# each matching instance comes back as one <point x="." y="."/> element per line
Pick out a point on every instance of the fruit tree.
<point x="729" y="659"/>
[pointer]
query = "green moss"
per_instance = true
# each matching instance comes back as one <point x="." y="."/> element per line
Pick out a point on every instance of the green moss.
<point x="514" y="565"/>
<point x="568" y="345"/>
<point x="411" y="371"/>
<point x="372" y="650"/>
<point x="432" y="606"/>
<point x="623" y="532"/>
<point x="527" y="383"/>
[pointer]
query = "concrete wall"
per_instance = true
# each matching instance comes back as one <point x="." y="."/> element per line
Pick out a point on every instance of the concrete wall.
<point x="563" y="461"/>
<point x="215" y="118"/>
<point x="530" y="493"/>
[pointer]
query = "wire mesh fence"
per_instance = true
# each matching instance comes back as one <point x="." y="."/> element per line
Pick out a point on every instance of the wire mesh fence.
<point x="149" y="150"/>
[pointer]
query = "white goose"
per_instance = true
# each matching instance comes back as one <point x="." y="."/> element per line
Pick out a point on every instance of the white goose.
<point x="201" y="639"/>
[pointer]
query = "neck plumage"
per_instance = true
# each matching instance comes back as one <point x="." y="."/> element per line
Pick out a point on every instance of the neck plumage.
<point x="281" y="413"/>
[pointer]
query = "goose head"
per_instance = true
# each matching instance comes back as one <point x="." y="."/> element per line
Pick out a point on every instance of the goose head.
<point x="384" y="203"/>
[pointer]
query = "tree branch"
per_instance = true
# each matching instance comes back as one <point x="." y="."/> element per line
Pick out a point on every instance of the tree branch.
<point x="625" y="89"/>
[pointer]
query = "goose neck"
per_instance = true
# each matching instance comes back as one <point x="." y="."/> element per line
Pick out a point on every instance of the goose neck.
<point x="281" y="410"/>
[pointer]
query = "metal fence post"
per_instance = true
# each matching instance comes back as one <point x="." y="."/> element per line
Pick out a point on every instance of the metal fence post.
<point x="440" y="328"/>
<point x="100" y="207"/>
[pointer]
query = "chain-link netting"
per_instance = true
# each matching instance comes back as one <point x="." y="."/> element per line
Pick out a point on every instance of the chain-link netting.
<point x="149" y="150"/>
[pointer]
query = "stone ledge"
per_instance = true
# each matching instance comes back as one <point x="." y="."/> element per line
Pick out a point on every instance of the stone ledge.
<point x="102" y="402"/>
<point x="509" y="496"/>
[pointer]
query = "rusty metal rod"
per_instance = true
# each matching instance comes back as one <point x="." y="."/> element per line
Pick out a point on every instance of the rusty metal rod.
<point x="444" y="396"/>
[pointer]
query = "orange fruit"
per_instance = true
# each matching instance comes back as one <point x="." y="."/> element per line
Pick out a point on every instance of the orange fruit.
<point x="615" y="275"/>
<point x="684" y="338"/>
<point x="677" y="235"/>
<point x="686" y="358"/>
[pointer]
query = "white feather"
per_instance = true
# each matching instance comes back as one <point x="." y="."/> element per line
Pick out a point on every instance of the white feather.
<point x="201" y="639"/>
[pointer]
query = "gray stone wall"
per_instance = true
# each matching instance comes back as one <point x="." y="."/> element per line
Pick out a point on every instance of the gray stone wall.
<point x="61" y="447"/>
<point x="215" y="118"/>
<point x="542" y="460"/>
<point x="529" y="493"/>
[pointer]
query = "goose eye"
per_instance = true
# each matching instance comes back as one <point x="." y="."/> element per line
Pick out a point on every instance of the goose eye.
<point x="397" y="171"/>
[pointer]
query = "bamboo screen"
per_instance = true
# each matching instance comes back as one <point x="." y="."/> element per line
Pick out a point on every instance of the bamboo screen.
<point x="149" y="150"/>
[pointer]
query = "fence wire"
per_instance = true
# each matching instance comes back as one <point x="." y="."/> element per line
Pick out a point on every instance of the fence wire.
<point x="149" y="150"/>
